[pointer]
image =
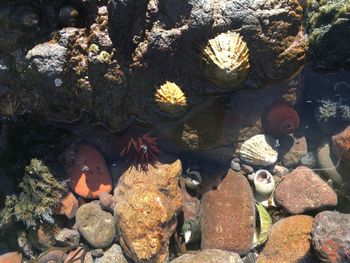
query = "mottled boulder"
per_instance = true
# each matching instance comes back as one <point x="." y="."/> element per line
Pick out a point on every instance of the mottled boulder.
<point x="303" y="190"/>
<point x="146" y="208"/>
<point x="331" y="236"/>
<point x="288" y="241"/>
<point x="341" y="144"/>
<point x="328" y="24"/>
<point x="209" y="256"/>
<point x="95" y="225"/>
<point x="112" y="255"/>
<point x="228" y="215"/>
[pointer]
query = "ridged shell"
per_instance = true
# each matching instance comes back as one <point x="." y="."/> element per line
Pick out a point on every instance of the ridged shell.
<point x="264" y="182"/>
<point x="170" y="98"/>
<point x="261" y="232"/>
<point x="226" y="59"/>
<point x="259" y="150"/>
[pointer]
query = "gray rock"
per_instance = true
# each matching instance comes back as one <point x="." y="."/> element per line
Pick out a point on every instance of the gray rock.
<point x="331" y="236"/>
<point x="68" y="236"/>
<point x="95" y="225"/>
<point x="303" y="190"/>
<point x="235" y="166"/>
<point x="112" y="255"/>
<point x="209" y="256"/>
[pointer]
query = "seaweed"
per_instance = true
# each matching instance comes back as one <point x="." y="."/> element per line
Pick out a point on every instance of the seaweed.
<point x="40" y="193"/>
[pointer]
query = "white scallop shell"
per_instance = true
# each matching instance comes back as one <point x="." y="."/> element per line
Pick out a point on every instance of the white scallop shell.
<point x="261" y="150"/>
<point x="264" y="182"/>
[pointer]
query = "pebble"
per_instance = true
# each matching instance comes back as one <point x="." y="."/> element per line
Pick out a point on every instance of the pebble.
<point x="68" y="236"/>
<point x="288" y="241"/>
<point x="112" y="255"/>
<point x="209" y="256"/>
<point x="247" y="168"/>
<point x="68" y="206"/>
<point x="107" y="202"/>
<point x="341" y="144"/>
<point x="235" y="166"/>
<point x="228" y="215"/>
<point x="89" y="175"/>
<point x="97" y="253"/>
<point x="331" y="236"/>
<point x="95" y="225"/>
<point x="303" y="190"/>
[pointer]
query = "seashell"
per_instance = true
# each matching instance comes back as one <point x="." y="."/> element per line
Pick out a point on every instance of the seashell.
<point x="280" y="119"/>
<point x="260" y="149"/>
<point x="263" y="226"/>
<point x="264" y="182"/>
<point x="193" y="180"/>
<point x="191" y="231"/>
<point x="226" y="59"/>
<point x="170" y="98"/>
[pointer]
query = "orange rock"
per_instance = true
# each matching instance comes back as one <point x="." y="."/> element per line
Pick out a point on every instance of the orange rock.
<point x="89" y="175"/>
<point x="341" y="144"/>
<point x="68" y="206"/>
<point x="11" y="257"/>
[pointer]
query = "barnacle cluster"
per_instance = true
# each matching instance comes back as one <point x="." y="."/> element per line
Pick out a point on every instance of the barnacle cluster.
<point x="40" y="193"/>
<point x="170" y="98"/>
<point x="226" y="60"/>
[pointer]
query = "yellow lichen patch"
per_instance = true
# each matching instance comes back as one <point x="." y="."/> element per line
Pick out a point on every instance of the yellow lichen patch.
<point x="226" y="59"/>
<point x="170" y="98"/>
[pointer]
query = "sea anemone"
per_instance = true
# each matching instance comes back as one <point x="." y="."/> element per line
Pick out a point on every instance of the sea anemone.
<point x="170" y="98"/>
<point x="280" y="119"/>
<point x="226" y="60"/>
<point x="141" y="151"/>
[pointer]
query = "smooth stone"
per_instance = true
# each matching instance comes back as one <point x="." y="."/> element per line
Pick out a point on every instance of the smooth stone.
<point x="68" y="236"/>
<point x="303" y="190"/>
<point x="288" y="241"/>
<point x="228" y="215"/>
<point x="331" y="236"/>
<point x="341" y="145"/>
<point x="68" y="206"/>
<point x="112" y="255"/>
<point x="11" y="257"/>
<point x="280" y="170"/>
<point x="235" y="166"/>
<point x="96" y="225"/>
<point x="209" y="256"/>
<point x="107" y="202"/>
<point x="147" y="204"/>
<point x="89" y="175"/>
<point x="247" y="168"/>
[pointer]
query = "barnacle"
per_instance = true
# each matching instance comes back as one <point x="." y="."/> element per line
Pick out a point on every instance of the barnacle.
<point x="226" y="60"/>
<point x="170" y="98"/>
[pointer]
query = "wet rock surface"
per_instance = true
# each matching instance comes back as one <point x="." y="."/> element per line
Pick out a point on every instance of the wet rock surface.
<point x="209" y="256"/>
<point x="95" y="225"/>
<point x="228" y="215"/>
<point x="341" y="144"/>
<point x="330" y="236"/>
<point x="303" y="190"/>
<point x="156" y="196"/>
<point x="288" y="241"/>
<point x="112" y="255"/>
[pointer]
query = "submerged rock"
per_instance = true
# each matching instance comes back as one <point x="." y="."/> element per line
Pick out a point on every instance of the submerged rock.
<point x="288" y="241"/>
<point x="112" y="255"/>
<point x="331" y="236"/>
<point x="146" y="207"/>
<point x="228" y="215"/>
<point x="209" y="256"/>
<point x="341" y="144"/>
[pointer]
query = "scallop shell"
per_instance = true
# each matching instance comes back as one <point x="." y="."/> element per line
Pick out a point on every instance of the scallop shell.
<point x="264" y="182"/>
<point x="170" y="98"/>
<point x="261" y="150"/>
<point x="226" y="59"/>
<point x="264" y="226"/>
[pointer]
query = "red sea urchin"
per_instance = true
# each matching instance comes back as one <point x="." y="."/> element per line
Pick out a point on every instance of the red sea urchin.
<point x="280" y="119"/>
<point x="141" y="151"/>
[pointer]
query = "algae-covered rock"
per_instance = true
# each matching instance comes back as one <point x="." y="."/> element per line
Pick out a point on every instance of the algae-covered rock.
<point x="328" y="25"/>
<point x="40" y="193"/>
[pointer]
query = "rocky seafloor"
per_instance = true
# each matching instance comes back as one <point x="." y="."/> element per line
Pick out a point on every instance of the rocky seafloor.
<point x="174" y="131"/>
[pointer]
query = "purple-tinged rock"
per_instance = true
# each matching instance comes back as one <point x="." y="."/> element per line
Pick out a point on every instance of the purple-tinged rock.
<point x="209" y="256"/>
<point x="331" y="237"/>
<point x="303" y="190"/>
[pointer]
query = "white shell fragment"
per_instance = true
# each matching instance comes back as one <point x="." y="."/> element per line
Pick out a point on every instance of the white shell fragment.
<point x="259" y="150"/>
<point x="264" y="182"/>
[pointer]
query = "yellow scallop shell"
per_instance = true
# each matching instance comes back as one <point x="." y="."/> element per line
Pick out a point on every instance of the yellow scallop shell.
<point x="265" y="223"/>
<point x="226" y="60"/>
<point x="170" y="98"/>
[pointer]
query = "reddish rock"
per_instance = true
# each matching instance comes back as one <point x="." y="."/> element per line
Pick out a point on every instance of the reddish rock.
<point x="289" y="241"/>
<point x="331" y="236"/>
<point x="147" y="204"/>
<point x="68" y="206"/>
<point x="89" y="175"/>
<point x="228" y="217"/>
<point x="209" y="256"/>
<point x="54" y="255"/>
<point x="191" y="204"/>
<point x="341" y="144"/>
<point x="11" y="257"/>
<point x="303" y="190"/>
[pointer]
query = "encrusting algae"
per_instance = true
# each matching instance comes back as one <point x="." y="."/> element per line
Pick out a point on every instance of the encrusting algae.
<point x="170" y="98"/>
<point x="226" y="60"/>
